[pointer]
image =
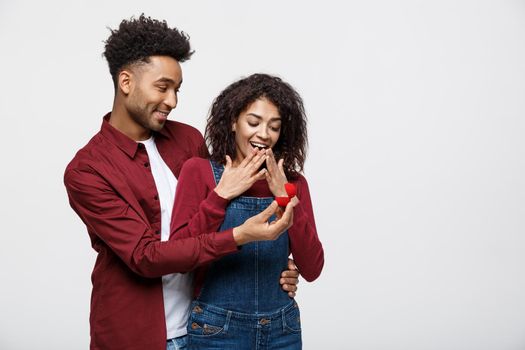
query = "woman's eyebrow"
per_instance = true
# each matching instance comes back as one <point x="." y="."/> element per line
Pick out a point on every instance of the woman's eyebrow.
<point x="259" y="117"/>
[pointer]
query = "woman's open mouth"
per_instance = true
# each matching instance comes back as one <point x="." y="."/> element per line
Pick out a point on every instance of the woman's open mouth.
<point x="259" y="145"/>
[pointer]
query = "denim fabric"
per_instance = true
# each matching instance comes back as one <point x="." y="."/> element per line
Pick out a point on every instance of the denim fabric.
<point x="213" y="328"/>
<point x="245" y="286"/>
<point x="179" y="343"/>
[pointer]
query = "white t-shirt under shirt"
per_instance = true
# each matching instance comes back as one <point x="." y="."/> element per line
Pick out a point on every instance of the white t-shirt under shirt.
<point x="176" y="287"/>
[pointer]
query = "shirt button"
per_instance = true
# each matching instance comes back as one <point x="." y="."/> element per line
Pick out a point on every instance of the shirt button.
<point x="156" y="197"/>
<point x="146" y="164"/>
<point x="157" y="231"/>
<point x="264" y="321"/>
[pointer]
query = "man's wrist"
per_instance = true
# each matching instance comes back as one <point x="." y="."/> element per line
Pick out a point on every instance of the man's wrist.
<point x="239" y="235"/>
<point x="220" y="194"/>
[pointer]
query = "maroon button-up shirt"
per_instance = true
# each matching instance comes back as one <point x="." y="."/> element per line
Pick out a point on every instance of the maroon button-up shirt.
<point x="111" y="187"/>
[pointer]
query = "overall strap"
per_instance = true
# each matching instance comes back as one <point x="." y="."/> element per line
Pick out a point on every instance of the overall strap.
<point x="217" y="170"/>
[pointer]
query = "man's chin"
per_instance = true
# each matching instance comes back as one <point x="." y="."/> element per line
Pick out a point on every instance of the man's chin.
<point x="157" y="126"/>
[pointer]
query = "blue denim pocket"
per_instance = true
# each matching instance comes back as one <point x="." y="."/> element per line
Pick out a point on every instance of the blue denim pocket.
<point x="203" y="323"/>
<point x="292" y="319"/>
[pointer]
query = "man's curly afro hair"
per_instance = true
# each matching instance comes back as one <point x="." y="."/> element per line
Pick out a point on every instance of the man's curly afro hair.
<point x="136" y="40"/>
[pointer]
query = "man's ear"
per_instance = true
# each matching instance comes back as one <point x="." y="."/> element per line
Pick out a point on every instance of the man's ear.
<point x="124" y="81"/>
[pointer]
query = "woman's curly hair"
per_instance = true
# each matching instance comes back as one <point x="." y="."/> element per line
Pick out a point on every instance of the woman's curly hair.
<point x="136" y="40"/>
<point x="226" y="108"/>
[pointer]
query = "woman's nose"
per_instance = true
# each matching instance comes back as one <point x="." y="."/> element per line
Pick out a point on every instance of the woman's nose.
<point x="263" y="133"/>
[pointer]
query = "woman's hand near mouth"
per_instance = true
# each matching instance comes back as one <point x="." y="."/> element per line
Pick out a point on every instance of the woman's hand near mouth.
<point x="236" y="180"/>
<point x="275" y="175"/>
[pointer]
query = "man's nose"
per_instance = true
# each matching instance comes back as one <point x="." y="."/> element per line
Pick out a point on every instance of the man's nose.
<point x="171" y="99"/>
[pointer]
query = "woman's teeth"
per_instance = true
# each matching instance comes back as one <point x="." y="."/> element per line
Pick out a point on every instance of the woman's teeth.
<point x="258" y="145"/>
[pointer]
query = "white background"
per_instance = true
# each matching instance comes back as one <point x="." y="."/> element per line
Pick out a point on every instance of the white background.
<point x="416" y="162"/>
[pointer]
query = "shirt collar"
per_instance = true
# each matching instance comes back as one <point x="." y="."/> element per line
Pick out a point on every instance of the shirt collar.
<point x="126" y="144"/>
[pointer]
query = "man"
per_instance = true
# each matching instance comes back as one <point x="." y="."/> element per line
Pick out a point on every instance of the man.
<point x="122" y="185"/>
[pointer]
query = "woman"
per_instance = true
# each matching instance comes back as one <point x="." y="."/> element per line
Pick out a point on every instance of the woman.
<point x="239" y="303"/>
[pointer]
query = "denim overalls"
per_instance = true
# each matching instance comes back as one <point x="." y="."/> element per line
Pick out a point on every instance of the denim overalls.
<point x="241" y="304"/>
